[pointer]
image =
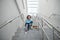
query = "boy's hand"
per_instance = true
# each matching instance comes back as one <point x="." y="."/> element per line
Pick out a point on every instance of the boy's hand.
<point x="30" y="24"/>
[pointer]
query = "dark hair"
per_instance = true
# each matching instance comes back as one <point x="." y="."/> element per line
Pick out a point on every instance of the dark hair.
<point x="28" y="16"/>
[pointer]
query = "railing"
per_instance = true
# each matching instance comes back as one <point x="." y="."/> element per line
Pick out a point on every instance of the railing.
<point x="23" y="4"/>
<point x="54" y="15"/>
<point x="9" y="21"/>
<point x="53" y="29"/>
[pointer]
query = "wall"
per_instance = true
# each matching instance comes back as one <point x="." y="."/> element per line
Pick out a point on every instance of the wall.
<point x="8" y="11"/>
<point x="47" y="9"/>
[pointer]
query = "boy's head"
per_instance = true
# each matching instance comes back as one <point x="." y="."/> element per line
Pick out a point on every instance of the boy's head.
<point x="28" y="17"/>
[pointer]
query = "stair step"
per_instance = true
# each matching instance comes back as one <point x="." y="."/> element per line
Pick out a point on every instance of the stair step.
<point x="31" y="35"/>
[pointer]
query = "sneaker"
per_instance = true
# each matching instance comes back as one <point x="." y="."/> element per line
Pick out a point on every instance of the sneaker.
<point x="25" y="32"/>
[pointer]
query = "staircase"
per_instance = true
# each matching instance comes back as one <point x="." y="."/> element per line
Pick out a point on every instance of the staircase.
<point x="46" y="32"/>
<point x="30" y="35"/>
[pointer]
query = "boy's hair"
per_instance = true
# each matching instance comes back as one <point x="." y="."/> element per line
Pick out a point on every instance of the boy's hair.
<point x="28" y="16"/>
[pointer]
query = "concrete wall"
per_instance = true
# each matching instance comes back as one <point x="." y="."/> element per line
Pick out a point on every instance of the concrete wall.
<point x="47" y="9"/>
<point x="8" y="11"/>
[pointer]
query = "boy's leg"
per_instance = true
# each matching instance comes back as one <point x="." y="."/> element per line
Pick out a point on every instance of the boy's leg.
<point x="28" y="27"/>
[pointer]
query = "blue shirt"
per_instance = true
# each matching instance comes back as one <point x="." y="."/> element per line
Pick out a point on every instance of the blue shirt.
<point x="28" y="21"/>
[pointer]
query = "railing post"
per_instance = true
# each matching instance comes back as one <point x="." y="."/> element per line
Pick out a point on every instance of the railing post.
<point x="53" y="33"/>
<point x="42" y="30"/>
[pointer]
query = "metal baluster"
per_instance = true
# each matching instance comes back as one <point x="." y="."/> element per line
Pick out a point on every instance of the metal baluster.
<point x="42" y="30"/>
<point x="53" y="33"/>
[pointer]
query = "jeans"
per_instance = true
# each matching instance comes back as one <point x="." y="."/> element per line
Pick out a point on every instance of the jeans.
<point x="28" y="26"/>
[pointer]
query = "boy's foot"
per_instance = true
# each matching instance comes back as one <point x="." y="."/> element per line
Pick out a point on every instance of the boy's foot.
<point x="26" y="30"/>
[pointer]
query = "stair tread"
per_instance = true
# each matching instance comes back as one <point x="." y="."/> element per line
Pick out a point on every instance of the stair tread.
<point x="30" y="35"/>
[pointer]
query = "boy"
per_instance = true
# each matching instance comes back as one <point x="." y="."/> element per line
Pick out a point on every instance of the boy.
<point x="28" y="23"/>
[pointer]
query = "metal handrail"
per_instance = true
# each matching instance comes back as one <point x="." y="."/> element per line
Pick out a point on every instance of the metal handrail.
<point x="53" y="29"/>
<point x="57" y="35"/>
<point x="45" y="34"/>
<point x="7" y="22"/>
<point x="50" y="28"/>
<point x="17" y="7"/>
<point x="43" y="31"/>
<point x="54" y="15"/>
<point x="51" y="25"/>
<point x="23" y="4"/>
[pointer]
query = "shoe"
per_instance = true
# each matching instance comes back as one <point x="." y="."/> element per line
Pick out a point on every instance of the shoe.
<point x="26" y="30"/>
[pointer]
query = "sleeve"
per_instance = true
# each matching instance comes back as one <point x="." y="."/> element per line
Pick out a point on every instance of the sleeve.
<point x="31" y="21"/>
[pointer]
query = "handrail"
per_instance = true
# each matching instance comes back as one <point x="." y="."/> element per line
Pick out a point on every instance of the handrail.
<point x="17" y="7"/>
<point x="45" y="33"/>
<point x="7" y="22"/>
<point x="23" y="4"/>
<point x="57" y="35"/>
<point x="54" y="15"/>
<point x="53" y="28"/>
<point x="51" y="25"/>
<point x="21" y="14"/>
<point x="50" y="28"/>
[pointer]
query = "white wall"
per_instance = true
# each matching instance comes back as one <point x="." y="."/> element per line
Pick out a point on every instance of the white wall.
<point x="8" y="11"/>
<point x="43" y="7"/>
<point x="49" y="7"/>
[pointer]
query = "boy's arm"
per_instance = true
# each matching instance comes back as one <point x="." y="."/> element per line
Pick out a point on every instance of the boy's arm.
<point x="31" y="22"/>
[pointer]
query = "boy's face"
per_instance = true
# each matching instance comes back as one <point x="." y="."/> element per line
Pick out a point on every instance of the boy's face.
<point x="29" y="17"/>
